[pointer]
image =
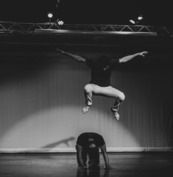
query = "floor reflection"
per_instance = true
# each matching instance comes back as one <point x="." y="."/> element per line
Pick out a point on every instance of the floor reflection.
<point x="92" y="173"/>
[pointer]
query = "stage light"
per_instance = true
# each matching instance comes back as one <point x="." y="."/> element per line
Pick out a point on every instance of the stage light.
<point x="140" y="17"/>
<point x="132" y="21"/>
<point x="50" y="16"/>
<point x="137" y="20"/>
<point x="60" y="22"/>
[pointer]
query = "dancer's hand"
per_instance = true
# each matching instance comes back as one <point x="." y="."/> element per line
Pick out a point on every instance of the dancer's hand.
<point x="143" y="54"/>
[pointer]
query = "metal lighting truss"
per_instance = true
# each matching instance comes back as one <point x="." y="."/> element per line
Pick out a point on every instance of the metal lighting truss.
<point x="53" y="27"/>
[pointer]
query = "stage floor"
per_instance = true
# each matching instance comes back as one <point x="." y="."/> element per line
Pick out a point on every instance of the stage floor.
<point x="64" y="165"/>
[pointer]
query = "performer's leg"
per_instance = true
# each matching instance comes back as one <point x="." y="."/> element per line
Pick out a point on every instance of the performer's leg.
<point x="84" y="157"/>
<point x="88" y="94"/>
<point x="111" y="92"/>
<point x="93" y="159"/>
<point x="88" y="97"/>
<point x="115" y="108"/>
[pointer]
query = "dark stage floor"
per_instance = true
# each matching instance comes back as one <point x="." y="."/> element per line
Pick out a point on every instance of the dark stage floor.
<point x="64" y="165"/>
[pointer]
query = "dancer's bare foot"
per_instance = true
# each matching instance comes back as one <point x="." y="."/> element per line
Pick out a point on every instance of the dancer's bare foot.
<point x="115" y="112"/>
<point x="85" y="109"/>
<point x="116" y="115"/>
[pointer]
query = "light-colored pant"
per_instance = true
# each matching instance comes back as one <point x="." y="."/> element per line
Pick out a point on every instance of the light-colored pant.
<point x="108" y="91"/>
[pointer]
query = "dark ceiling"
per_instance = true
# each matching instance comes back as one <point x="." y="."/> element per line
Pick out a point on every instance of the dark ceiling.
<point x="88" y="11"/>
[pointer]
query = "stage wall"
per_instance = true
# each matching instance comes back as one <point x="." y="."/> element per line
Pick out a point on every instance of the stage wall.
<point x="41" y="97"/>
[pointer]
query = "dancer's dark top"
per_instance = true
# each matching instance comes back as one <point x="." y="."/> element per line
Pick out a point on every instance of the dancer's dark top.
<point x="88" y="138"/>
<point x="101" y="70"/>
<point x="90" y="143"/>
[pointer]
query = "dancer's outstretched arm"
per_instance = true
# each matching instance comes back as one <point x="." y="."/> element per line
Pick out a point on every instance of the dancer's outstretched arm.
<point x="76" y="57"/>
<point x="130" y="57"/>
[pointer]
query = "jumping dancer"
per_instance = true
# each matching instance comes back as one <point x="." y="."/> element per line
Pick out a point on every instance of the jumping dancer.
<point x="99" y="84"/>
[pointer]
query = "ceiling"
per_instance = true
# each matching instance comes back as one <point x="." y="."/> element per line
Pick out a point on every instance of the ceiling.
<point x="87" y="11"/>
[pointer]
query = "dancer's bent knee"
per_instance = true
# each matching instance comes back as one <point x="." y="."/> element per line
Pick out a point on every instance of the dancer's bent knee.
<point x="121" y="96"/>
<point x="88" y="88"/>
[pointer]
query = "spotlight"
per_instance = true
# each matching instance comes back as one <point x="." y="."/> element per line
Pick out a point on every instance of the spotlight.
<point x="50" y="15"/>
<point x="140" y="17"/>
<point x="132" y="21"/>
<point x="137" y="20"/>
<point x="60" y="22"/>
